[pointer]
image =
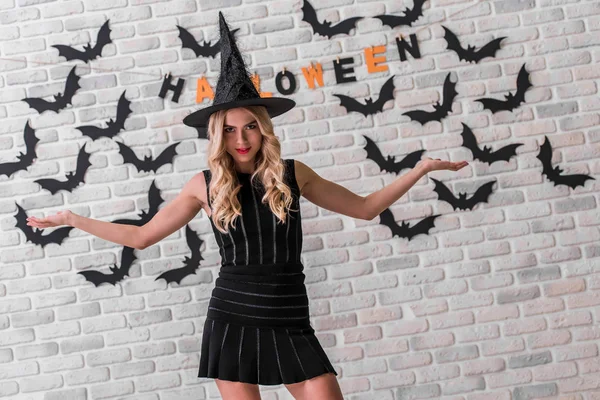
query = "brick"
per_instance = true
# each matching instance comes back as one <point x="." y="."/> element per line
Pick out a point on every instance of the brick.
<point x="576" y="351"/>
<point x="410" y="360"/>
<point x="437" y="372"/>
<point x="530" y="360"/>
<point x="464" y="385"/>
<point x="565" y="286"/>
<point x="392" y="380"/>
<point x="554" y="372"/>
<point x="440" y="339"/>
<point x="539" y="274"/>
<point x="419" y="392"/>
<point x="508" y="6"/>
<point x="485" y="366"/>
<point x="509" y="378"/>
<point x="535" y="391"/>
<point x="518" y="294"/>
<point x="455" y="354"/>
<point x="548" y="339"/>
<point x="502" y="346"/>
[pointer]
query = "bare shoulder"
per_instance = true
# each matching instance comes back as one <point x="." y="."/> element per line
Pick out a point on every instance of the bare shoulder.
<point x="196" y="187"/>
<point x="303" y="174"/>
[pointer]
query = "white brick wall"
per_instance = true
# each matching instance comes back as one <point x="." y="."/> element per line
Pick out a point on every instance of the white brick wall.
<point x="500" y="302"/>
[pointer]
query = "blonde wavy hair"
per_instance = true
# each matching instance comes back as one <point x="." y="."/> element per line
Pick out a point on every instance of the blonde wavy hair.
<point x="224" y="184"/>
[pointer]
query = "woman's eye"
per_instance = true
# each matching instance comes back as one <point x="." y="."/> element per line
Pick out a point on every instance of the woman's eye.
<point x="251" y="126"/>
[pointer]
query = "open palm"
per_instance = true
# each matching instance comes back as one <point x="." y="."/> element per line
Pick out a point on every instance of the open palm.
<point x="60" y="218"/>
<point x="435" y="164"/>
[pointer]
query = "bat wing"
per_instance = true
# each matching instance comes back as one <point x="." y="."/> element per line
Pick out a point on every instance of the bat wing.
<point x="420" y="116"/>
<point x="572" y="181"/>
<point x="71" y="86"/>
<point x="344" y="26"/>
<point x="129" y="156"/>
<point x="188" y="41"/>
<point x="421" y="227"/>
<point x="10" y="168"/>
<point x="165" y="157"/>
<point x="53" y="185"/>
<point x="123" y="111"/>
<point x="545" y="156"/>
<point x="444" y="193"/>
<point x="454" y="45"/>
<point x="393" y="20"/>
<point x="39" y="105"/>
<point x="413" y="14"/>
<point x="504" y="153"/>
<point x="97" y="277"/>
<point x="494" y="105"/>
<point x="310" y="15"/>
<point x="385" y="94"/>
<point x="103" y="38"/>
<point x="449" y="96"/>
<point x="56" y="236"/>
<point x="351" y="104"/>
<point x="70" y="53"/>
<point x="470" y="142"/>
<point x="523" y="84"/>
<point x="488" y="50"/>
<point x="387" y="218"/>
<point x="481" y="195"/>
<point x="373" y="153"/>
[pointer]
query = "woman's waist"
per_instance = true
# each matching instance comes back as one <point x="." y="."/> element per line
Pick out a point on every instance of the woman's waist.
<point x="264" y="274"/>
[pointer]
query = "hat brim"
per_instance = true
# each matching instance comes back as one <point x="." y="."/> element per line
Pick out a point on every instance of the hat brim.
<point x="275" y="106"/>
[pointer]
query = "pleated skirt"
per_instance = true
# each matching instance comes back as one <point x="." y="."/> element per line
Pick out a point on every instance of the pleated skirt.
<point x="257" y="329"/>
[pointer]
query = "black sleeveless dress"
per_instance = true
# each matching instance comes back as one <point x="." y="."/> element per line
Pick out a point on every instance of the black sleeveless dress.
<point x="257" y="329"/>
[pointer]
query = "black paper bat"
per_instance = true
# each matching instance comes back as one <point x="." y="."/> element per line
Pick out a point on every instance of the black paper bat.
<point x="370" y="107"/>
<point x="60" y="100"/>
<point x="113" y="127"/>
<point x="512" y="101"/>
<point x="148" y="164"/>
<point x="154" y="201"/>
<point x="190" y="263"/>
<point x="403" y="230"/>
<point x="205" y="49"/>
<point x="441" y="110"/>
<point x="481" y="195"/>
<point x="34" y="235"/>
<point x="470" y="54"/>
<point x="325" y="28"/>
<point x="388" y="163"/>
<point x="25" y="159"/>
<point x="554" y="173"/>
<point x="74" y="179"/>
<point x="486" y="154"/>
<point x="410" y="16"/>
<point x="116" y="273"/>
<point x="89" y="52"/>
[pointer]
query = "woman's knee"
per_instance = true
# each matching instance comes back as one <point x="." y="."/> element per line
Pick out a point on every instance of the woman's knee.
<point x="237" y="390"/>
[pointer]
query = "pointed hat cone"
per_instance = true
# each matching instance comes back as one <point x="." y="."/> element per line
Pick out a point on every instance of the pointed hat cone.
<point x="234" y="86"/>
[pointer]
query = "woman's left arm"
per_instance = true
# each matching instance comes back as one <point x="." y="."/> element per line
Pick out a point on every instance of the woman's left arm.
<point x="336" y="198"/>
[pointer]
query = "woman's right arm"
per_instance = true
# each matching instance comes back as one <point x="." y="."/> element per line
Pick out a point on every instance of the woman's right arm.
<point x="176" y="214"/>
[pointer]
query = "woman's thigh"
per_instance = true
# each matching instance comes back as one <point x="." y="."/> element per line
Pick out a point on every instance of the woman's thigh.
<point x="322" y="387"/>
<point x="237" y="390"/>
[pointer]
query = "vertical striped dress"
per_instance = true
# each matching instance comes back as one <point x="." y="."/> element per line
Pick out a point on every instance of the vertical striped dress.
<point x="257" y="329"/>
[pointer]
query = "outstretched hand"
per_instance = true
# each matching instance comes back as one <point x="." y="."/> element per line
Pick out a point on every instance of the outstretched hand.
<point x="435" y="164"/>
<point x="60" y="218"/>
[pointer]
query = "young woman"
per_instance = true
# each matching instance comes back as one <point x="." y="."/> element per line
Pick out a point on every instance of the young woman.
<point x="257" y="329"/>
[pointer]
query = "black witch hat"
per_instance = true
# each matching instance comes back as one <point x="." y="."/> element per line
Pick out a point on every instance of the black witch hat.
<point x="234" y="87"/>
